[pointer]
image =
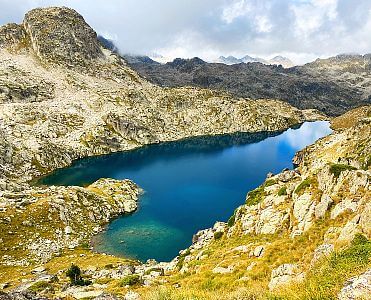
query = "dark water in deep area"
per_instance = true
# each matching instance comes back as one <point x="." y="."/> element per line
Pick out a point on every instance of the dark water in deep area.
<point x="188" y="185"/>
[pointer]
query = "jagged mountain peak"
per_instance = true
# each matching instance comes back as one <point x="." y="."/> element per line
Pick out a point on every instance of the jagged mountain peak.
<point x="60" y="34"/>
<point x="281" y="60"/>
<point x="56" y="34"/>
<point x="277" y="60"/>
<point x="186" y="65"/>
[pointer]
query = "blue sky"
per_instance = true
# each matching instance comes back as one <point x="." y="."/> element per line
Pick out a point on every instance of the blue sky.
<point x="299" y="29"/>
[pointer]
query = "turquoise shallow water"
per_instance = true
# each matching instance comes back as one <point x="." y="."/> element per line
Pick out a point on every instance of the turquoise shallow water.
<point x="188" y="185"/>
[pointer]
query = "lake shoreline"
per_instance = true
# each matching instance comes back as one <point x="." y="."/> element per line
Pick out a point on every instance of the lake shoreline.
<point x="196" y="152"/>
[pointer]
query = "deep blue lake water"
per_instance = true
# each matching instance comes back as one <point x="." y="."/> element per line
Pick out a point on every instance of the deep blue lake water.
<point x="189" y="185"/>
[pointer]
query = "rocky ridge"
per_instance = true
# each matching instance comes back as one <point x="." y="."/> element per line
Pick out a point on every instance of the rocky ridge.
<point x="332" y="86"/>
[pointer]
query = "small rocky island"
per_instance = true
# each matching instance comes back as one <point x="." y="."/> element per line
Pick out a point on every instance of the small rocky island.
<point x="63" y="96"/>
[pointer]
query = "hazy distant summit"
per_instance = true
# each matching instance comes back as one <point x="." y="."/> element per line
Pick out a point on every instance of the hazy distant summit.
<point x="277" y="60"/>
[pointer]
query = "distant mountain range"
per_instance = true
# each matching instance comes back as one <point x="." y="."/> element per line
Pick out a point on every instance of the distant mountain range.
<point x="277" y="60"/>
<point x="331" y="85"/>
<point x="230" y="60"/>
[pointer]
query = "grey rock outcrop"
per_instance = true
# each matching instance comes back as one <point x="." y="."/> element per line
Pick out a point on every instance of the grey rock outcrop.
<point x="285" y="274"/>
<point x="358" y="287"/>
<point x="61" y="35"/>
<point x="13" y="37"/>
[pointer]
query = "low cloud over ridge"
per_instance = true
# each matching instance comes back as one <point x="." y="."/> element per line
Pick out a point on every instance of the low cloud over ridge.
<point x="299" y="29"/>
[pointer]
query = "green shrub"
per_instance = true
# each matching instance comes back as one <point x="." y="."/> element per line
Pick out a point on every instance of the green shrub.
<point x="109" y="266"/>
<point x="130" y="280"/>
<point x="159" y="270"/>
<point x="85" y="245"/>
<point x="336" y="169"/>
<point x="282" y="191"/>
<point x="255" y="196"/>
<point x="218" y="235"/>
<point x="270" y="182"/>
<point x="179" y="265"/>
<point x="303" y="185"/>
<point x="231" y="220"/>
<point x="74" y="274"/>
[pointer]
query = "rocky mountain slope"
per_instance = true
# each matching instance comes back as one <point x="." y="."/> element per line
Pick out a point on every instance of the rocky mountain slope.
<point x="63" y="97"/>
<point x="332" y="86"/>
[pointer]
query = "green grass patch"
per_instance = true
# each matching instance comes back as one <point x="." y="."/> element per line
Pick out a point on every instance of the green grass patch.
<point x="282" y="191"/>
<point x="326" y="280"/>
<point x="39" y="286"/>
<point x="231" y="220"/>
<point x="303" y="185"/>
<point x="255" y="196"/>
<point x="269" y="182"/>
<point x="179" y="265"/>
<point x="218" y="235"/>
<point x="130" y="280"/>
<point x="336" y="169"/>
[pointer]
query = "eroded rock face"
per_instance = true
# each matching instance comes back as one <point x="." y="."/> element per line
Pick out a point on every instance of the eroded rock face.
<point x="61" y="35"/>
<point x="285" y="274"/>
<point x="20" y="86"/>
<point x="358" y="287"/>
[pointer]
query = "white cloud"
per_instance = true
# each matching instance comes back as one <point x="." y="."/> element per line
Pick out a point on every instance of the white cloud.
<point x="236" y="9"/>
<point x="263" y="24"/>
<point x="300" y="29"/>
<point x="311" y="15"/>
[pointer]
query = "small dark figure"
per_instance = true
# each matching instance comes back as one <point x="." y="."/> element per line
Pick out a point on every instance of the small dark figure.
<point x="74" y="274"/>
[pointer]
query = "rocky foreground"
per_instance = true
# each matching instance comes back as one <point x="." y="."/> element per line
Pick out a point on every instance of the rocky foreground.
<point x="302" y="234"/>
<point x="63" y="97"/>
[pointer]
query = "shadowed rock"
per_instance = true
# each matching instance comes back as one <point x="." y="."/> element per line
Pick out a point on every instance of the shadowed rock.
<point x="12" y="36"/>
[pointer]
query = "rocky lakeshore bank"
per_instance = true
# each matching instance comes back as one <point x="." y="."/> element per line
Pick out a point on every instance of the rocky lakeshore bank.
<point x="64" y="97"/>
